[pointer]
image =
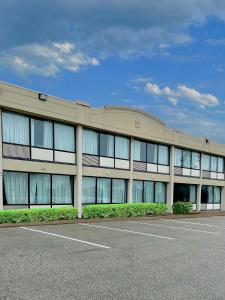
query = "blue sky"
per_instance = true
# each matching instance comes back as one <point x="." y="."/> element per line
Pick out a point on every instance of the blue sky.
<point x="166" y="57"/>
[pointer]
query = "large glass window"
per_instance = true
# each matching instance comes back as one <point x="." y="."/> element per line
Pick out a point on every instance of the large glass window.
<point x="106" y="145"/>
<point x="213" y="163"/>
<point x="152" y="153"/>
<point x="195" y="160"/>
<point x="40" y="189"/>
<point x="118" y="191"/>
<point x="186" y="159"/>
<point x="103" y="190"/>
<point x="122" y="145"/>
<point x="160" y="192"/>
<point x="206" y="162"/>
<point x="148" y="191"/>
<point x="217" y="195"/>
<point x="64" y="137"/>
<point x="41" y="134"/>
<point x="90" y="142"/>
<point x="210" y="194"/>
<point x="140" y="151"/>
<point x="137" y="191"/>
<point x="15" y="128"/>
<point x="220" y="164"/>
<point x="185" y="192"/>
<point x="15" y="187"/>
<point x="163" y="158"/>
<point x="61" y="189"/>
<point x="89" y="189"/>
<point x="178" y="158"/>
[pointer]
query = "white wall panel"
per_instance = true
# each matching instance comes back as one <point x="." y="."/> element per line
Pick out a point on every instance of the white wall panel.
<point x="209" y="206"/>
<point x="65" y="157"/>
<point x="42" y="154"/>
<point x="194" y="206"/>
<point x="220" y="175"/>
<point x="203" y="206"/>
<point x="40" y="206"/>
<point x="122" y="164"/>
<point x="213" y="175"/>
<point x="186" y="172"/>
<point x="152" y="168"/>
<point x="107" y="162"/>
<point x="195" y="173"/>
<point x="163" y="169"/>
<point x="217" y="206"/>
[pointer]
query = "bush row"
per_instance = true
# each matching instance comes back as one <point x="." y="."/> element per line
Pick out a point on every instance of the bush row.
<point x="182" y="208"/>
<point x="123" y="210"/>
<point x="37" y="215"/>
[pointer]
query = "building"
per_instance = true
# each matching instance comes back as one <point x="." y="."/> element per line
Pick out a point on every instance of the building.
<point x="56" y="152"/>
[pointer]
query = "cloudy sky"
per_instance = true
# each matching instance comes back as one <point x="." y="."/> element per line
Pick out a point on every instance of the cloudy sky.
<point x="166" y="57"/>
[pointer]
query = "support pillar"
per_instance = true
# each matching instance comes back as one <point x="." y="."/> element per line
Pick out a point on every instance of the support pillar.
<point x="78" y="177"/>
<point x="1" y="171"/>
<point x="130" y="181"/>
<point x="170" y="185"/>
<point x="198" y="204"/>
<point x="223" y="198"/>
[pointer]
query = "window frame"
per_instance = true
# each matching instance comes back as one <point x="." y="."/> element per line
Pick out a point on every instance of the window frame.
<point x="210" y="163"/>
<point x="213" y="189"/>
<point x="154" y="190"/>
<point x="191" y="161"/>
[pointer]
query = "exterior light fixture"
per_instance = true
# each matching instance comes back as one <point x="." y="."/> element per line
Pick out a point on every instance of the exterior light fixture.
<point x="42" y="97"/>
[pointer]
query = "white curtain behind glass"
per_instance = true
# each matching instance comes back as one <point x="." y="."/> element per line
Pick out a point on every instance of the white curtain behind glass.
<point x="90" y="142"/>
<point x="137" y="150"/>
<point x="216" y="195"/>
<point x="118" y="191"/>
<point x="88" y="189"/>
<point x="163" y="158"/>
<point x="103" y="190"/>
<point x="213" y="163"/>
<point x="220" y="164"/>
<point x="39" y="189"/>
<point x="148" y="191"/>
<point x="210" y="194"/>
<point x="61" y="189"/>
<point x="137" y="191"/>
<point x="15" y="128"/>
<point x="192" y="194"/>
<point x="16" y="187"/>
<point x="206" y="162"/>
<point x="160" y="192"/>
<point x="178" y="158"/>
<point x="122" y="147"/>
<point x="64" y="137"/>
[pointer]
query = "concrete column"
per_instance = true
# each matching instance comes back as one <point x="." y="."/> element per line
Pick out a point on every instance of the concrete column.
<point x="198" y="204"/>
<point x="78" y="177"/>
<point x="170" y="185"/>
<point x="1" y="171"/>
<point x="223" y="198"/>
<point x="130" y="181"/>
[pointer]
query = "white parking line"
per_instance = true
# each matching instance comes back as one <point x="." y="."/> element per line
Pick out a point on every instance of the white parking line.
<point x="129" y="231"/>
<point x="173" y="227"/>
<point x="66" y="237"/>
<point x="195" y="223"/>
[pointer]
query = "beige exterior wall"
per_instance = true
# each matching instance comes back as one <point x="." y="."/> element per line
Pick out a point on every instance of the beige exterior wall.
<point x="120" y="120"/>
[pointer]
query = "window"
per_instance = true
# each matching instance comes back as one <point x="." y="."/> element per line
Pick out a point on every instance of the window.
<point x="40" y="189"/>
<point x="217" y="195"/>
<point x="106" y="145"/>
<point x="152" y="153"/>
<point x="186" y="159"/>
<point x="206" y="162"/>
<point x="185" y="192"/>
<point x="160" y="192"/>
<point x="213" y="163"/>
<point x="41" y="134"/>
<point x="195" y="160"/>
<point x="61" y="189"/>
<point x="15" y="187"/>
<point x="64" y="137"/>
<point x="137" y="191"/>
<point x="90" y="142"/>
<point x="103" y="190"/>
<point x="178" y="158"/>
<point x="118" y="191"/>
<point x="210" y="194"/>
<point x="89" y="189"/>
<point x="15" y="128"/>
<point x="139" y="151"/>
<point x="163" y="158"/>
<point x="149" y="191"/>
<point x="122" y="147"/>
<point x="220" y="165"/>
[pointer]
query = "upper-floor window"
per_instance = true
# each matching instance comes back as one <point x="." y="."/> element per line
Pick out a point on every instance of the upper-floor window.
<point x="187" y="159"/>
<point x="104" y="144"/>
<point x="151" y="153"/>
<point x="15" y="128"/>
<point x="212" y="163"/>
<point x="41" y="134"/>
<point x="64" y="137"/>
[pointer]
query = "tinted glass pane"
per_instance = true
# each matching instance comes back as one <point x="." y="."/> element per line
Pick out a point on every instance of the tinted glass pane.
<point x="160" y="192"/>
<point x="122" y="145"/>
<point x="163" y="158"/>
<point x="106" y="145"/>
<point x="217" y="195"/>
<point x="186" y="159"/>
<point x="220" y="164"/>
<point x="148" y="191"/>
<point x="206" y="162"/>
<point x="195" y="163"/>
<point x="61" y="189"/>
<point x="213" y="163"/>
<point x="139" y="151"/>
<point x="178" y="158"/>
<point x="137" y="191"/>
<point x="152" y="153"/>
<point x="41" y="133"/>
<point x="40" y="189"/>
<point x="64" y="137"/>
<point x="88" y="189"/>
<point x="103" y="190"/>
<point x="90" y="142"/>
<point x="118" y="191"/>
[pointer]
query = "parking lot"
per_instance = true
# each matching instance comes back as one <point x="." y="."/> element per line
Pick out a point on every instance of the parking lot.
<point x="138" y="259"/>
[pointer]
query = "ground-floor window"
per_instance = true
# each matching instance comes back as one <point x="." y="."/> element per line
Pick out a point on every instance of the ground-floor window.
<point x="103" y="190"/>
<point x="210" y="194"/>
<point x="185" y="192"/>
<point x="36" y="189"/>
<point x="149" y="191"/>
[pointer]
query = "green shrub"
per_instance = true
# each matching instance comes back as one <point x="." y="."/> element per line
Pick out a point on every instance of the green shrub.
<point x="37" y="215"/>
<point x="123" y="210"/>
<point x="182" y="208"/>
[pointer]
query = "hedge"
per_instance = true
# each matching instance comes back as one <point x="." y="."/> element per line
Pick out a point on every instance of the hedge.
<point x="182" y="208"/>
<point x="37" y="215"/>
<point x="123" y="210"/>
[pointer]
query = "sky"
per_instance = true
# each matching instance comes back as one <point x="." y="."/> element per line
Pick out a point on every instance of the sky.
<point x="165" y="57"/>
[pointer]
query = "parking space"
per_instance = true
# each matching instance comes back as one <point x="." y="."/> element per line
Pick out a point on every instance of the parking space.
<point x="132" y="259"/>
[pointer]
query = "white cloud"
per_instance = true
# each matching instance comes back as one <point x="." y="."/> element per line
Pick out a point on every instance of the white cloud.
<point x="46" y="60"/>
<point x="183" y="93"/>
